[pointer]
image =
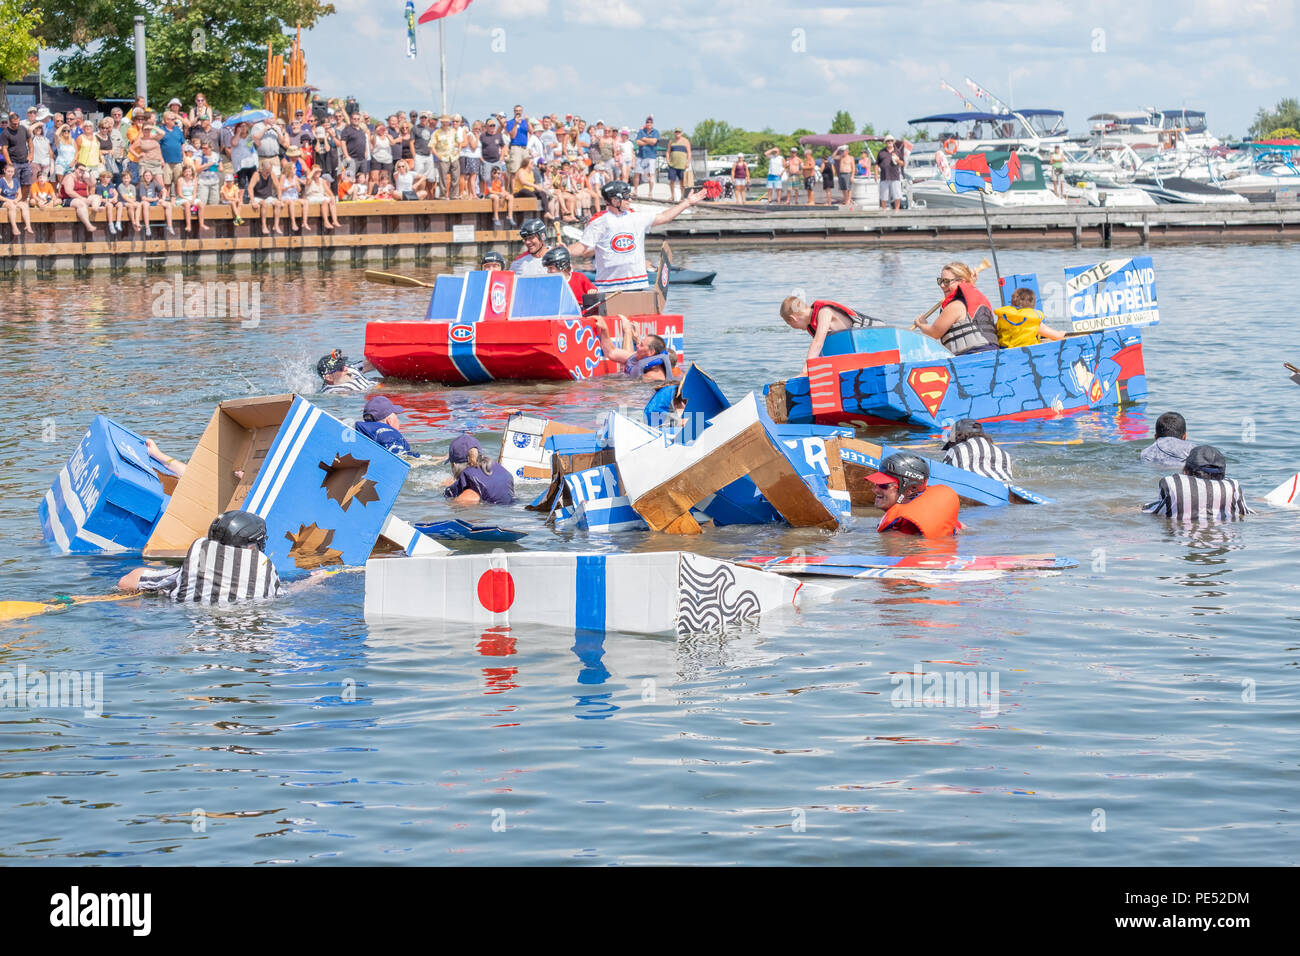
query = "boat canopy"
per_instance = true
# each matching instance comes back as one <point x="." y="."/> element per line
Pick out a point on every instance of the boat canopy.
<point x="1041" y="112"/>
<point x="961" y="118"/>
<point x="1131" y="117"/>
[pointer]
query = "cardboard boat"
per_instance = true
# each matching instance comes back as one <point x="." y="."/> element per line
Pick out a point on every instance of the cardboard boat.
<point x="668" y="592"/>
<point x="889" y="377"/>
<point x="860" y="458"/>
<point x="495" y="325"/>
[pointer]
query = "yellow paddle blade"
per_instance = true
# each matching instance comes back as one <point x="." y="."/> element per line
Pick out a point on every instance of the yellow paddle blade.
<point x="17" y="610"/>
<point x="392" y="278"/>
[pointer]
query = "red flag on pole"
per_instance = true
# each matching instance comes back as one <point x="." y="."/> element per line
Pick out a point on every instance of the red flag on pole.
<point x="443" y="8"/>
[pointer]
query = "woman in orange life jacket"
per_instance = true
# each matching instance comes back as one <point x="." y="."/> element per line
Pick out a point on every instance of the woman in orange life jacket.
<point x="966" y="322"/>
<point x="819" y="320"/>
<point x="911" y="505"/>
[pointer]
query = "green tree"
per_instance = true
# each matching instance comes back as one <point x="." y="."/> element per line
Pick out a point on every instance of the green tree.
<point x="18" y="44"/>
<point x="710" y="134"/>
<point x="868" y="129"/>
<point x="1282" y="132"/>
<point x="1286" y="113"/>
<point x="843" y="123"/>
<point x="214" y="47"/>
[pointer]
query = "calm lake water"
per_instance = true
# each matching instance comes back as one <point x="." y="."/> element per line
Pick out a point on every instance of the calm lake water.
<point x="1147" y="709"/>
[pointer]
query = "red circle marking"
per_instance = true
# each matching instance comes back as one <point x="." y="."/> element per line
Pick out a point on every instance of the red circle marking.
<point x="496" y="590"/>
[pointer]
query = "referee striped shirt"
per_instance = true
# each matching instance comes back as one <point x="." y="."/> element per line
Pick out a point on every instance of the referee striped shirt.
<point x="216" y="574"/>
<point x="980" y="455"/>
<point x="1189" y="499"/>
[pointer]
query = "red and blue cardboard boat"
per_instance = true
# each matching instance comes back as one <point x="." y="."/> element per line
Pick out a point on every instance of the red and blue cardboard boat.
<point x="496" y="325"/>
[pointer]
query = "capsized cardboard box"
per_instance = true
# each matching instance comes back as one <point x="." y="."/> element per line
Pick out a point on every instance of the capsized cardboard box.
<point x="663" y="592"/>
<point x="860" y="458"/>
<point x="108" y="497"/>
<point x="323" y="489"/>
<point x="665" y="479"/>
<point x="523" y="446"/>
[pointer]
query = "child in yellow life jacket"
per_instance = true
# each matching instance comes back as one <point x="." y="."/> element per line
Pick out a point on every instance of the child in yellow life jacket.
<point x="1021" y="324"/>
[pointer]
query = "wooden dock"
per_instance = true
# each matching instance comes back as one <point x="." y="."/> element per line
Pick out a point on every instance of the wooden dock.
<point x="369" y="233"/>
<point x="382" y="234"/>
<point x="1097" y="226"/>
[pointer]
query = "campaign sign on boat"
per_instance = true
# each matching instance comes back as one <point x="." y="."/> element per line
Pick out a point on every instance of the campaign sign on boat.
<point x="1111" y="293"/>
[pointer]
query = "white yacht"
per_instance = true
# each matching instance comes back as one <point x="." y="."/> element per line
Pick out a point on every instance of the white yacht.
<point x="1274" y="176"/>
<point x="1032" y="130"/>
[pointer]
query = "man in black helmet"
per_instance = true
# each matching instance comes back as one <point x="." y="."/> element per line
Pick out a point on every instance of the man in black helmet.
<point x="533" y="232"/>
<point x="910" y="503"/>
<point x="616" y="237"/>
<point x="557" y="261"/>
<point x="340" y="378"/>
<point x="225" y="567"/>
<point x="968" y="447"/>
<point x="492" y="261"/>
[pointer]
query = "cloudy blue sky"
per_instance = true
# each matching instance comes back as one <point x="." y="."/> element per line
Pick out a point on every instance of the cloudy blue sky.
<point x="784" y="64"/>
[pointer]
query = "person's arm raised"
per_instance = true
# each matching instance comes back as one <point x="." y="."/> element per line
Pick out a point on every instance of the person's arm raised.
<point x="672" y="212"/>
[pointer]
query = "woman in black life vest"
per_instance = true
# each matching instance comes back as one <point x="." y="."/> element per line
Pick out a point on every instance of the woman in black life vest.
<point x="966" y="322"/>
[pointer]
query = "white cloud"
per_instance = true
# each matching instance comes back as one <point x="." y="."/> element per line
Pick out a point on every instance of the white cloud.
<point x="619" y="14"/>
<point x="1236" y="16"/>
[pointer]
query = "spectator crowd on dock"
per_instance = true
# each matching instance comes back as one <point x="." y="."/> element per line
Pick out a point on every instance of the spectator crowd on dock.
<point x="186" y="159"/>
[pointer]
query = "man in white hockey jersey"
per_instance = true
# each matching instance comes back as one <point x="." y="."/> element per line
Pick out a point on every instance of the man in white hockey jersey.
<point x="616" y="237"/>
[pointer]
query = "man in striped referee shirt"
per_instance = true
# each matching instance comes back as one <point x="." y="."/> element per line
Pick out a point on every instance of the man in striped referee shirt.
<point x="969" y="448"/>
<point x="1202" y="490"/>
<point x="226" y="567"/>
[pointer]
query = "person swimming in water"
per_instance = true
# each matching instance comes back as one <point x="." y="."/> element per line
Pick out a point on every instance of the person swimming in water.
<point x="338" y="377"/>
<point x="1201" y="490"/>
<point x="968" y="447"/>
<point x="227" y="566"/>
<point x="647" y="357"/>
<point x="910" y="503"/>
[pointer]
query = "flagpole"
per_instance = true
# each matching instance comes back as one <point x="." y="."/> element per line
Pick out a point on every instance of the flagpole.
<point x="442" y="65"/>
<point x="993" y="249"/>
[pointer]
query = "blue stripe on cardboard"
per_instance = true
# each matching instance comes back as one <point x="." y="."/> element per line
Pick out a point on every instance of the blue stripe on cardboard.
<point x="589" y="603"/>
<point x="464" y="355"/>
<point x="475" y="300"/>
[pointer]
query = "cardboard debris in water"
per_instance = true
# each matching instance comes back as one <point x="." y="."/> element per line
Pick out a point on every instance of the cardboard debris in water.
<point x="524" y="451"/>
<point x="664" y="592"/>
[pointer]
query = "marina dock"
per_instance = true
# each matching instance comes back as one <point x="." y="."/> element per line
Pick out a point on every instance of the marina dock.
<point x="385" y="233"/>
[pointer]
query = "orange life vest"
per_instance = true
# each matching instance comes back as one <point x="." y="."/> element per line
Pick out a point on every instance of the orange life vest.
<point x="932" y="514"/>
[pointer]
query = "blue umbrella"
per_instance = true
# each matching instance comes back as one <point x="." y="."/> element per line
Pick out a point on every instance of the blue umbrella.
<point x="248" y="115"/>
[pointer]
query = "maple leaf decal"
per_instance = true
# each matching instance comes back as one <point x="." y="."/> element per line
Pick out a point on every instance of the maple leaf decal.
<point x="345" y="481"/>
<point x="310" y="547"/>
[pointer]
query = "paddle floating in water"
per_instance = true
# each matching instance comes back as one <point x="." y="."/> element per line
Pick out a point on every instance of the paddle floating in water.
<point x="18" y="610"/>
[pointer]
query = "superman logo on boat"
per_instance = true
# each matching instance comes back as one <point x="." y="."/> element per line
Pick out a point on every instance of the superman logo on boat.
<point x="930" y="385"/>
<point x="623" y="242"/>
<point x="461" y="333"/>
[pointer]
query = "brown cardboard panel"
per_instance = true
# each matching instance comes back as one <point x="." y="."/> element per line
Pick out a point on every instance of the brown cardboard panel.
<point x="642" y="302"/>
<point x="562" y="465"/>
<point x="861" y="491"/>
<point x="237" y="438"/>
<point x="778" y="404"/>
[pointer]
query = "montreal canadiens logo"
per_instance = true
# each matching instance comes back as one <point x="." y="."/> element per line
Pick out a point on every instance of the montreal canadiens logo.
<point x="462" y="333"/>
<point x="623" y="242"/>
<point x="498" y="298"/>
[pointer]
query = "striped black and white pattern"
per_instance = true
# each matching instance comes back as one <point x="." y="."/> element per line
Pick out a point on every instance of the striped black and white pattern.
<point x="354" y="383"/>
<point x="219" y="574"/>
<point x="981" y="456"/>
<point x="1187" y="498"/>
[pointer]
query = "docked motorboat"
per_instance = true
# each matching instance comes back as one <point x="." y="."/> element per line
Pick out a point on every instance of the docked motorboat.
<point x="1179" y="189"/>
<point x="1029" y="191"/>
<point x="1028" y="130"/>
<point x="1275" y="176"/>
<point x="1106" y="164"/>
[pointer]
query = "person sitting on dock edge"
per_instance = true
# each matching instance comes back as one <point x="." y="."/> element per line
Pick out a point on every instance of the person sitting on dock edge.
<point x="966" y="446"/>
<point x="1171" y="446"/>
<point x="910" y="503"/>
<point x="1202" y="490"/>
<point x="616" y="238"/>
<point x="379" y="423"/>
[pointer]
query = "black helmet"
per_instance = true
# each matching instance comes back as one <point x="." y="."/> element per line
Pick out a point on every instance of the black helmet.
<point x="558" y="257"/>
<point x="911" y="471"/>
<point x="493" y="256"/>
<point x="532" y="227"/>
<point x="239" y="529"/>
<point x="962" y="430"/>
<point x="617" y="189"/>
<point x="334" y="362"/>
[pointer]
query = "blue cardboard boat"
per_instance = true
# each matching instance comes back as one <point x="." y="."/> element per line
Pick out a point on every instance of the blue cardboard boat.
<point x="890" y="377"/>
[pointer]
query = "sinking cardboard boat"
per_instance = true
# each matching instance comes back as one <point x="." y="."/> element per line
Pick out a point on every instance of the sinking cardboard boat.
<point x="108" y="497"/>
<point x="1287" y="494"/>
<point x="669" y="592"/>
<point x="323" y="489"/>
<point x="666" y="479"/>
<point x="401" y="536"/>
<point x="880" y="565"/>
<point x="598" y="503"/>
<point x="459" y="530"/>
<point x="523" y="446"/>
<point x="860" y="458"/>
<point x="496" y="325"/>
<point x="889" y="377"/>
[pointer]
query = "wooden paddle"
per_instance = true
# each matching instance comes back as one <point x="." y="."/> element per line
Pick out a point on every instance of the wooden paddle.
<point x="17" y="610"/>
<point x="1295" y="372"/>
<point x="984" y="264"/>
<point x="392" y="278"/>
